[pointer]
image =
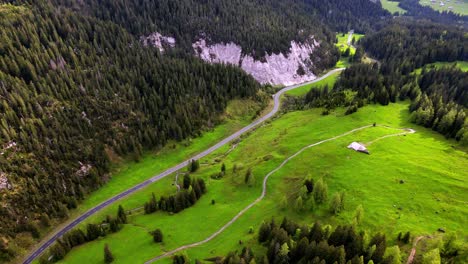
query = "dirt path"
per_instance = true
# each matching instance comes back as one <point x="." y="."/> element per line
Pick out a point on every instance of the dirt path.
<point x="264" y="190"/>
<point x="176" y="182"/>
<point x="413" y="250"/>
<point x="408" y="131"/>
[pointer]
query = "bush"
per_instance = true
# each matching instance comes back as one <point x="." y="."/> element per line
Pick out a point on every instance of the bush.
<point x="157" y="236"/>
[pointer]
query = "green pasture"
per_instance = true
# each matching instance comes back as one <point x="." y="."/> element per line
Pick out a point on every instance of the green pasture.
<point x="416" y="183"/>
<point x="392" y="7"/>
<point x="458" y="6"/>
<point x="463" y="65"/>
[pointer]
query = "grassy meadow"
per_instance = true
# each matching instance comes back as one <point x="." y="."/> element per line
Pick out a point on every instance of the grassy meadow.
<point x="433" y="195"/>
<point x="458" y="6"/>
<point x="463" y="65"/>
<point x="392" y="6"/>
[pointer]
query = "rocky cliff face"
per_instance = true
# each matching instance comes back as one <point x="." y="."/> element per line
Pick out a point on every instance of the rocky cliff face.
<point x="276" y="69"/>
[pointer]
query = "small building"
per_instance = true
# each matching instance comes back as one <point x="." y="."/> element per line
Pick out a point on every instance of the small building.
<point x="358" y="147"/>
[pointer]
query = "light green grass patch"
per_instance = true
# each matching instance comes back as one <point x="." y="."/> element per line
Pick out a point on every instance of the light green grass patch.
<point x="330" y="81"/>
<point x="433" y="195"/>
<point x="463" y="65"/>
<point x="342" y="43"/>
<point x="458" y="6"/>
<point x="392" y="7"/>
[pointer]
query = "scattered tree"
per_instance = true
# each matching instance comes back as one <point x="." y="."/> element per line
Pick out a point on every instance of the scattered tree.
<point x="157" y="236"/>
<point x="108" y="257"/>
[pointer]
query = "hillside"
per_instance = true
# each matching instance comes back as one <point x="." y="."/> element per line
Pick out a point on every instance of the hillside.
<point x="75" y="91"/>
<point x="277" y="42"/>
<point x="149" y="129"/>
<point x="80" y="89"/>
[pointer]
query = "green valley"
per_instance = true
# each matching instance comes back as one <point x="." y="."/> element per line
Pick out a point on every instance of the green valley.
<point x="420" y="204"/>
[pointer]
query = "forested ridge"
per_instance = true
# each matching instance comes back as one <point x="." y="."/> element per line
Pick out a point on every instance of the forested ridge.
<point x="74" y="89"/>
<point x="259" y="27"/>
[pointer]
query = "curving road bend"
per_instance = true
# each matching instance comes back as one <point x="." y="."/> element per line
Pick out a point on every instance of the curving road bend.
<point x="276" y="97"/>
<point x="264" y="190"/>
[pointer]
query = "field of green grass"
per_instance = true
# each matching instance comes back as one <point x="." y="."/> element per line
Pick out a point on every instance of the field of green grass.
<point x="392" y="6"/>
<point x="458" y="6"/>
<point x="343" y="42"/>
<point x="330" y="81"/>
<point x="463" y="65"/>
<point x="434" y="193"/>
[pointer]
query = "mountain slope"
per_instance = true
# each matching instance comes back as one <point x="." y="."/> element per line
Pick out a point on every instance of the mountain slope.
<point x="73" y="88"/>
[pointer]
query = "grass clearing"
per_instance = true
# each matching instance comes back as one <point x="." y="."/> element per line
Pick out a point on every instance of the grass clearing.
<point x="342" y="43"/>
<point x="330" y="81"/>
<point x="392" y="7"/>
<point x="434" y="193"/>
<point x="458" y="6"/>
<point x="463" y="65"/>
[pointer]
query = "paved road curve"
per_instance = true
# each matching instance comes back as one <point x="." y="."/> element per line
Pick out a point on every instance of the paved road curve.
<point x="37" y="252"/>
<point x="264" y="189"/>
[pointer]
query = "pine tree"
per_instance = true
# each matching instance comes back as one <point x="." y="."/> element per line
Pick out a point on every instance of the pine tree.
<point x="187" y="181"/>
<point x="320" y="191"/>
<point x="157" y="236"/>
<point x="108" y="257"/>
<point x="121" y="215"/>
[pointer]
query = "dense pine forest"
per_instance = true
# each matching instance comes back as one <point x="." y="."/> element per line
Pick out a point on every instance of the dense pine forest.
<point x="259" y="27"/>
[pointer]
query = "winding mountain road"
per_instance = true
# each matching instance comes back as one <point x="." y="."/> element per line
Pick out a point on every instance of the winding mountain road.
<point x="264" y="189"/>
<point x="276" y="97"/>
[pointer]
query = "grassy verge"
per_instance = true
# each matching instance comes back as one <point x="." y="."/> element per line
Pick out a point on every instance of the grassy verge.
<point x="330" y="81"/>
<point x="433" y="195"/>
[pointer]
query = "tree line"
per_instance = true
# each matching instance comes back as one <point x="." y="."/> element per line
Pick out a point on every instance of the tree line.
<point x="78" y="237"/>
<point x="192" y="191"/>
<point x="289" y="242"/>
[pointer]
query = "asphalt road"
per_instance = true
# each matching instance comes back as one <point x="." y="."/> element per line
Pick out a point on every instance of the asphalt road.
<point x="276" y="97"/>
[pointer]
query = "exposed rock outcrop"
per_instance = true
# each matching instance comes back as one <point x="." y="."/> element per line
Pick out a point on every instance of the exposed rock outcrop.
<point x="4" y="184"/>
<point x="159" y="41"/>
<point x="286" y="69"/>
